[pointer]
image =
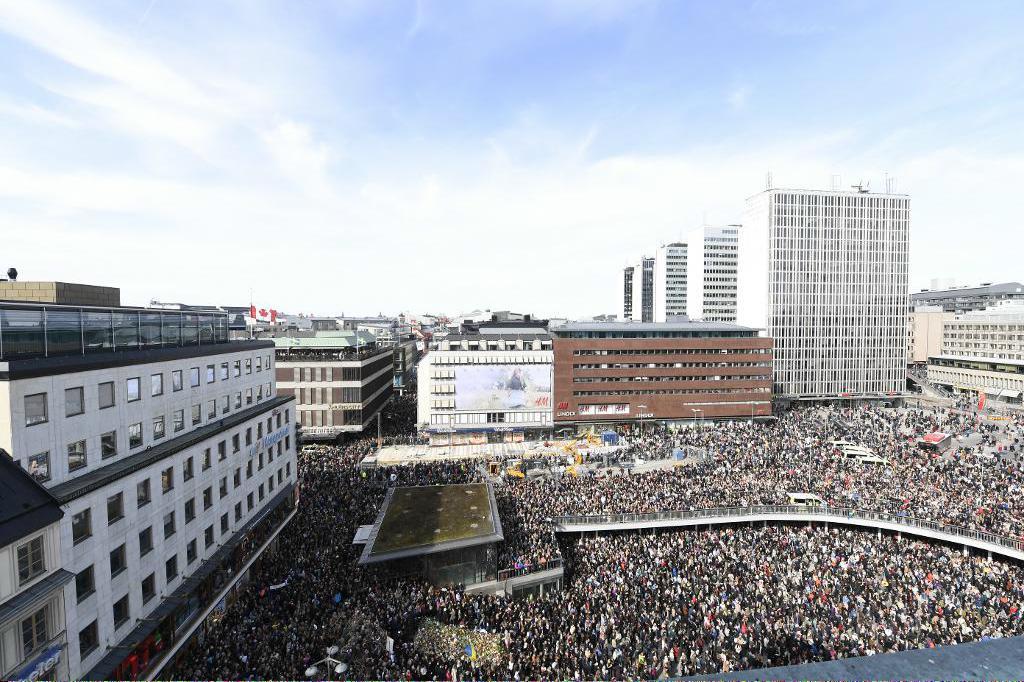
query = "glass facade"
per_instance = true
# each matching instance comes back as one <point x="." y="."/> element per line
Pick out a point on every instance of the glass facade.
<point x="28" y="331"/>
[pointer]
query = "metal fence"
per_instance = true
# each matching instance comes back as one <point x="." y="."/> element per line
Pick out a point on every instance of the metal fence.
<point x="33" y="330"/>
<point x="795" y="512"/>
<point x="550" y="565"/>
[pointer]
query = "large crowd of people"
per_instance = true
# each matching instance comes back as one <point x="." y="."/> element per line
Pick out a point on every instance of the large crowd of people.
<point x="640" y="605"/>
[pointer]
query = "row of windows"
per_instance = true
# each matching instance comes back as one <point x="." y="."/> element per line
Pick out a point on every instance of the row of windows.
<point x="37" y="405"/>
<point x="665" y="365"/>
<point x="675" y="391"/>
<point x="39" y="464"/>
<point x="716" y="377"/>
<point x="672" y="351"/>
<point x="85" y="580"/>
<point x="491" y="418"/>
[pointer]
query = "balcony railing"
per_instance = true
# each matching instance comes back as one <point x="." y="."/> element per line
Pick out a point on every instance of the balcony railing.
<point x="549" y="565"/>
<point x="37" y="331"/>
<point x="839" y="514"/>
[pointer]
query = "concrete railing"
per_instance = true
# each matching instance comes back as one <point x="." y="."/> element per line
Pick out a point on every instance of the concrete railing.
<point x="508" y="573"/>
<point x="1003" y="545"/>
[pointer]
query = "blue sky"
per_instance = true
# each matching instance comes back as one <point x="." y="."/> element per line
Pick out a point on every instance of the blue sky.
<point x="441" y="156"/>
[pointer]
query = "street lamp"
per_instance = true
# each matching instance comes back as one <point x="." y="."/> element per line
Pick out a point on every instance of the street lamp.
<point x="695" y="411"/>
<point x="642" y="408"/>
<point x="339" y="667"/>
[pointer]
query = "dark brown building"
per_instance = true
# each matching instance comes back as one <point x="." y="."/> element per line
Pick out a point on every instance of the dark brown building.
<point x="621" y="372"/>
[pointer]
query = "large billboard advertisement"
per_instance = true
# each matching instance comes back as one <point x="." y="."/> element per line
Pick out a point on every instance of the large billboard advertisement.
<point x="503" y="387"/>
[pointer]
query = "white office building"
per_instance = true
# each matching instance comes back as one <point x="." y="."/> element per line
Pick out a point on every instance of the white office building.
<point x="824" y="273"/>
<point x="33" y="643"/>
<point x="983" y="352"/>
<point x="487" y="387"/>
<point x="172" y="459"/>
<point x="669" y="280"/>
<point x="714" y="260"/>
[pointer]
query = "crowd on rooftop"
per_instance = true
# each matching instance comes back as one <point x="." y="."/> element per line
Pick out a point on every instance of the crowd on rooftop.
<point x="640" y="605"/>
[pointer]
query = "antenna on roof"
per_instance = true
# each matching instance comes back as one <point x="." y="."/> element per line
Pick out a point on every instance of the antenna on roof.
<point x="768" y="181"/>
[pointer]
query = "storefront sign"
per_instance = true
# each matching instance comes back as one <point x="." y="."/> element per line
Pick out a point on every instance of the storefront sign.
<point x="567" y="414"/>
<point x="41" y="665"/>
<point x="268" y="440"/>
<point x="598" y="410"/>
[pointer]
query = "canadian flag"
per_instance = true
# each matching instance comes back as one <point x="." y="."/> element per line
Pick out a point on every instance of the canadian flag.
<point x="262" y="314"/>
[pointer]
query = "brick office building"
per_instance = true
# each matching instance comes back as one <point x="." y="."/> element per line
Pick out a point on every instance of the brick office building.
<point x="615" y="374"/>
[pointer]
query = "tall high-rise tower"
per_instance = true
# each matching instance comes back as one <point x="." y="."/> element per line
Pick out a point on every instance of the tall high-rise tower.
<point x="825" y="274"/>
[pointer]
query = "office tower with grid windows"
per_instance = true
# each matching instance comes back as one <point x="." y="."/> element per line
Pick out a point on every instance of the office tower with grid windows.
<point x="669" y="279"/>
<point x="711" y="284"/>
<point x="638" y="288"/>
<point x="825" y="275"/>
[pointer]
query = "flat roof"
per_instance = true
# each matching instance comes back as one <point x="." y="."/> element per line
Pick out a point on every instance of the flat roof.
<point x="27" y="506"/>
<point x="692" y="326"/>
<point x="1001" y="288"/>
<point x="418" y="520"/>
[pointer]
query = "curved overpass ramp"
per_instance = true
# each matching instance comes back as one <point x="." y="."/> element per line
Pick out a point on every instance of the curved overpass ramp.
<point x="1008" y="547"/>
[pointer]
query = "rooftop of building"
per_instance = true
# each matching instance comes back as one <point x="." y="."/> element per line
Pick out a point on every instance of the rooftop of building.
<point x="27" y="506"/>
<point x="854" y="190"/>
<point x="980" y="290"/>
<point x="428" y="519"/>
<point x="325" y="339"/>
<point x="649" y="327"/>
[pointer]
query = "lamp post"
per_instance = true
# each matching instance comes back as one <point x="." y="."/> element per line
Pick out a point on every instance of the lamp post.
<point x="642" y="408"/>
<point x="339" y="667"/>
<point x="695" y="411"/>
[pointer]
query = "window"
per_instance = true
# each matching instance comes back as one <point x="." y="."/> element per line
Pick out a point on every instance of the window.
<point x="207" y="459"/>
<point x="106" y="394"/>
<point x="115" y="508"/>
<point x="121" y="611"/>
<point x="156" y="384"/>
<point x="74" y="401"/>
<point x="108" y="445"/>
<point x="135" y="435"/>
<point x="179" y="420"/>
<point x="167" y="480"/>
<point x="176" y="383"/>
<point x="88" y="640"/>
<point x="81" y="526"/>
<point x="210" y="374"/>
<point x="197" y="414"/>
<point x="85" y="583"/>
<point x="33" y="632"/>
<point x="148" y="588"/>
<point x="134" y="389"/>
<point x="169" y="528"/>
<point x="248" y="365"/>
<point x="142" y="492"/>
<point x="222" y="450"/>
<point x="191" y="554"/>
<point x="224" y="524"/>
<point x="171" y="568"/>
<point x="248" y="396"/>
<point x="35" y="409"/>
<point x="238" y="511"/>
<point x="259" y="363"/>
<point x="238" y="400"/>
<point x="235" y="443"/>
<point x="260" y="491"/>
<point x="118" y="560"/>
<point x="211" y="410"/>
<point x="145" y="541"/>
<point x="237" y="368"/>
<point x="248" y="469"/>
<point x="193" y="377"/>
<point x="188" y="470"/>
<point x="225" y="406"/>
<point x="248" y="501"/>
<point x="39" y="466"/>
<point x="223" y="487"/>
<point x="223" y="371"/>
<point x="208" y="537"/>
<point x="76" y="455"/>
<point x="207" y="498"/>
<point x="31" y="563"/>
<point x="158" y="427"/>
<point x="238" y="476"/>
